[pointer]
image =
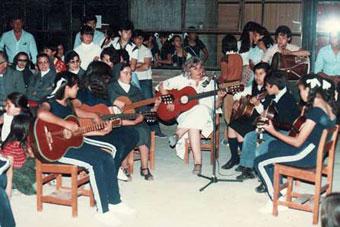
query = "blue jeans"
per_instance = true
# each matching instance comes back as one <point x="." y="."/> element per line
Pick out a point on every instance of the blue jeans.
<point x="6" y="215"/>
<point x="135" y="81"/>
<point x="249" y="149"/>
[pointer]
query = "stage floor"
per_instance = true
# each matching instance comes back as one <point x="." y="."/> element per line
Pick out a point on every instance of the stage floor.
<point x="173" y="199"/>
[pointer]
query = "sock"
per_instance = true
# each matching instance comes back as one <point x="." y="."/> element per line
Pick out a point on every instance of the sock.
<point x="233" y="146"/>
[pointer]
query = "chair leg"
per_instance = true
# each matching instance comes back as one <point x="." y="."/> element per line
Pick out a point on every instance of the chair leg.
<point x="317" y="195"/>
<point x="276" y="189"/>
<point x="289" y="189"/>
<point x="92" y="202"/>
<point x="74" y="191"/>
<point x="39" y="188"/>
<point x="59" y="181"/>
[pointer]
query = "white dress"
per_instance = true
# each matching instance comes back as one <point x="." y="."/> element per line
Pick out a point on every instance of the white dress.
<point x="198" y="117"/>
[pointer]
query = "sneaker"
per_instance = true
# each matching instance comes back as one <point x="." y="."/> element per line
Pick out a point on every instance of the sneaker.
<point x="121" y="175"/>
<point x="246" y="174"/>
<point x="108" y="218"/>
<point x="121" y="208"/>
<point x="126" y="173"/>
<point x="240" y="168"/>
<point x="224" y="142"/>
<point x="173" y="140"/>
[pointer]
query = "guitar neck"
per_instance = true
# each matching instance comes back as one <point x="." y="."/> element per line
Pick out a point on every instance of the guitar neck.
<point x="140" y="103"/>
<point x="121" y="116"/>
<point x="202" y="95"/>
<point x="96" y="127"/>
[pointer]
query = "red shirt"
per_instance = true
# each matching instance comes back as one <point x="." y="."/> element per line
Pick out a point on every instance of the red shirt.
<point x="15" y="150"/>
<point x="59" y="66"/>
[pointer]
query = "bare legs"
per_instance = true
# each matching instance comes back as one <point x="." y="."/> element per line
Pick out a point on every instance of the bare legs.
<point x="195" y="142"/>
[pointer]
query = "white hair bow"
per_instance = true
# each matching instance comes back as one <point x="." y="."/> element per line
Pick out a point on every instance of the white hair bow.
<point x="170" y="36"/>
<point x="325" y="84"/>
<point x="313" y="82"/>
<point x="58" y="85"/>
<point x="156" y="35"/>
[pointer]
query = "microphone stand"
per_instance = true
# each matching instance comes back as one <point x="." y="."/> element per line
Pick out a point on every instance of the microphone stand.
<point x="213" y="178"/>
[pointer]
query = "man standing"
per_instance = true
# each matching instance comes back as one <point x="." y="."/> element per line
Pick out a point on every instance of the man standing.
<point x="18" y="40"/>
<point x="98" y="36"/>
<point x="10" y="80"/>
<point x="328" y="60"/>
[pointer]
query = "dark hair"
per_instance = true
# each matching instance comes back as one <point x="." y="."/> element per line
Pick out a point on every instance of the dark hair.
<point x="330" y="210"/>
<point x="15" y="59"/>
<point x="284" y="30"/>
<point x="43" y="55"/>
<point x="277" y="78"/>
<point x="262" y="65"/>
<point x="97" y="77"/>
<point x="126" y="25"/>
<point x="191" y="29"/>
<point x="70" y="55"/>
<point x="20" y="100"/>
<point x="4" y="55"/>
<point x="86" y="30"/>
<point x="90" y="18"/>
<point x="266" y="39"/>
<point x="136" y="33"/>
<point x="229" y="43"/>
<point x="163" y="34"/>
<point x="113" y="54"/>
<point x="124" y="65"/>
<point x="17" y="16"/>
<point x="124" y="54"/>
<point x="71" y="80"/>
<point x="244" y="38"/>
<point x="174" y="37"/>
<point x="52" y="46"/>
<point x="328" y="95"/>
<point x="19" y="131"/>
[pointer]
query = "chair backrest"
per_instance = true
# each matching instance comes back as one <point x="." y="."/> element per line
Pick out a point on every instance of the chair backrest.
<point x="327" y="147"/>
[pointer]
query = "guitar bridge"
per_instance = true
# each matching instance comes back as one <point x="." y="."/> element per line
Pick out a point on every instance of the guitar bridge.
<point x="49" y="138"/>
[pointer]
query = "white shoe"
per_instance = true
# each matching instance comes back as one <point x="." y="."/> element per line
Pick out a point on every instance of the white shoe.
<point x="121" y="208"/>
<point x="268" y="208"/>
<point x="108" y="219"/>
<point x="121" y="175"/>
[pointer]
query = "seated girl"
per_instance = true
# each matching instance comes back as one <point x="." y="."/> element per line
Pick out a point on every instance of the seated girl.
<point x="16" y="120"/>
<point x="198" y="119"/>
<point x="300" y="151"/>
<point x="21" y="63"/>
<point x="90" y="156"/>
<point x="94" y="91"/>
<point x="72" y="61"/>
<point x="239" y="127"/>
<point x="123" y="87"/>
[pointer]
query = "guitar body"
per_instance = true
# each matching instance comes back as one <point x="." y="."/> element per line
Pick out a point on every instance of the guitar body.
<point x="128" y="104"/>
<point x="180" y="106"/>
<point x="245" y="108"/>
<point x="297" y="125"/>
<point x="50" y="142"/>
<point x="99" y="109"/>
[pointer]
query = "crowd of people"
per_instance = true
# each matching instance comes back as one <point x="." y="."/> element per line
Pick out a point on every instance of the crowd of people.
<point x="101" y="68"/>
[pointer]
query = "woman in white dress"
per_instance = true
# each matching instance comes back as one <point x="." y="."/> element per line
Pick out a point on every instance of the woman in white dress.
<point x="198" y="119"/>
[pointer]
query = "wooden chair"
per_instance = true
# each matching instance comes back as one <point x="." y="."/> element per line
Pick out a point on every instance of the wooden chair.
<point x="310" y="175"/>
<point x="135" y="155"/>
<point x="205" y="146"/>
<point x="46" y="172"/>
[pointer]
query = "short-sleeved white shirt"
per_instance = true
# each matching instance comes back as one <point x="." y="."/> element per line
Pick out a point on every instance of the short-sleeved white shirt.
<point x="144" y="52"/>
<point x="268" y="55"/>
<point x="130" y="47"/>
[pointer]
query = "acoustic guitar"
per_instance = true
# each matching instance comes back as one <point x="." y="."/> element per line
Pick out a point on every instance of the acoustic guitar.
<point x="245" y="108"/>
<point x="103" y="111"/>
<point x="130" y="107"/>
<point x="186" y="98"/>
<point x="50" y="141"/>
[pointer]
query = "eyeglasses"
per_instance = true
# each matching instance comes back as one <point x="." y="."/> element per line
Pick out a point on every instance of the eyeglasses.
<point x="74" y="61"/>
<point x="23" y="60"/>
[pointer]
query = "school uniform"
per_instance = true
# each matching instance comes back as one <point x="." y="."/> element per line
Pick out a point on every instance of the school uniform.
<point x="124" y="139"/>
<point x="100" y="164"/>
<point x="41" y="85"/>
<point x="250" y="150"/>
<point x="304" y="156"/>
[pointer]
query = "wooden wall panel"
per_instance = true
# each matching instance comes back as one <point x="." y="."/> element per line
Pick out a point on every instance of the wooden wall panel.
<point x="253" y="12"/>
<point x="282" y="14"/>
<point x="228" y="16"/>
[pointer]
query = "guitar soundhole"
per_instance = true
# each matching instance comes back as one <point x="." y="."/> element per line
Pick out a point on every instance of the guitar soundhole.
<point x="184" y="99"/>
